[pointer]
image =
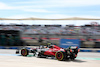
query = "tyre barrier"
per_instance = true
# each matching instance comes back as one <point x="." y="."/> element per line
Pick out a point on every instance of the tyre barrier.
<point x="2" y="47"/>
<point x="13" y="47"/>
<point x="81" y="50"/>
<point x="85" y="50"/>
<point x="98" y="50"/>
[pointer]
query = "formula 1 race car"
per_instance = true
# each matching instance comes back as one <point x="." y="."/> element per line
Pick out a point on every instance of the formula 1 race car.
<point x="52" y="51"/>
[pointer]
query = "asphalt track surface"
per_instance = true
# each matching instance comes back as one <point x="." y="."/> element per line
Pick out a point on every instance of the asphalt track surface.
<point x="8" y="58"/>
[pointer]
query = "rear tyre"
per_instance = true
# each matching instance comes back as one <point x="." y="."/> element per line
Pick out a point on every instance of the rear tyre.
<point x="24" y="52"/>
<point x="61" y="56"/>
<point x="72" y="57"/>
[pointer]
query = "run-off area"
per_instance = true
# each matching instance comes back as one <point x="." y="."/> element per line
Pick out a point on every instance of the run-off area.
<point x="8" y="58"/>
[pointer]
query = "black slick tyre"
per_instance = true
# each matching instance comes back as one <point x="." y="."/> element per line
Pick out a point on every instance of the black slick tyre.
<point x="72" y="57"/>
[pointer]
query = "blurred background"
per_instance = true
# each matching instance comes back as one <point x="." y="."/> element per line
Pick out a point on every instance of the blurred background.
<point x="33" y="35"/>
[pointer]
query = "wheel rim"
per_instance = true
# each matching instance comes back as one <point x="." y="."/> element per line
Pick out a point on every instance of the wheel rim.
<point x="59" y="56"/>
<point x="24" y="52"/>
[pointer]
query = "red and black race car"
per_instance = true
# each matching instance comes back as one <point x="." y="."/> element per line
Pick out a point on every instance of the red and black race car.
<point x="52" y="51"/>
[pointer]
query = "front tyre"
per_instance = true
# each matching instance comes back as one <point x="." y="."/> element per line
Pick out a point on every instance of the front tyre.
<point x="60" y="56"/>
<point x="24" y="52"/>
